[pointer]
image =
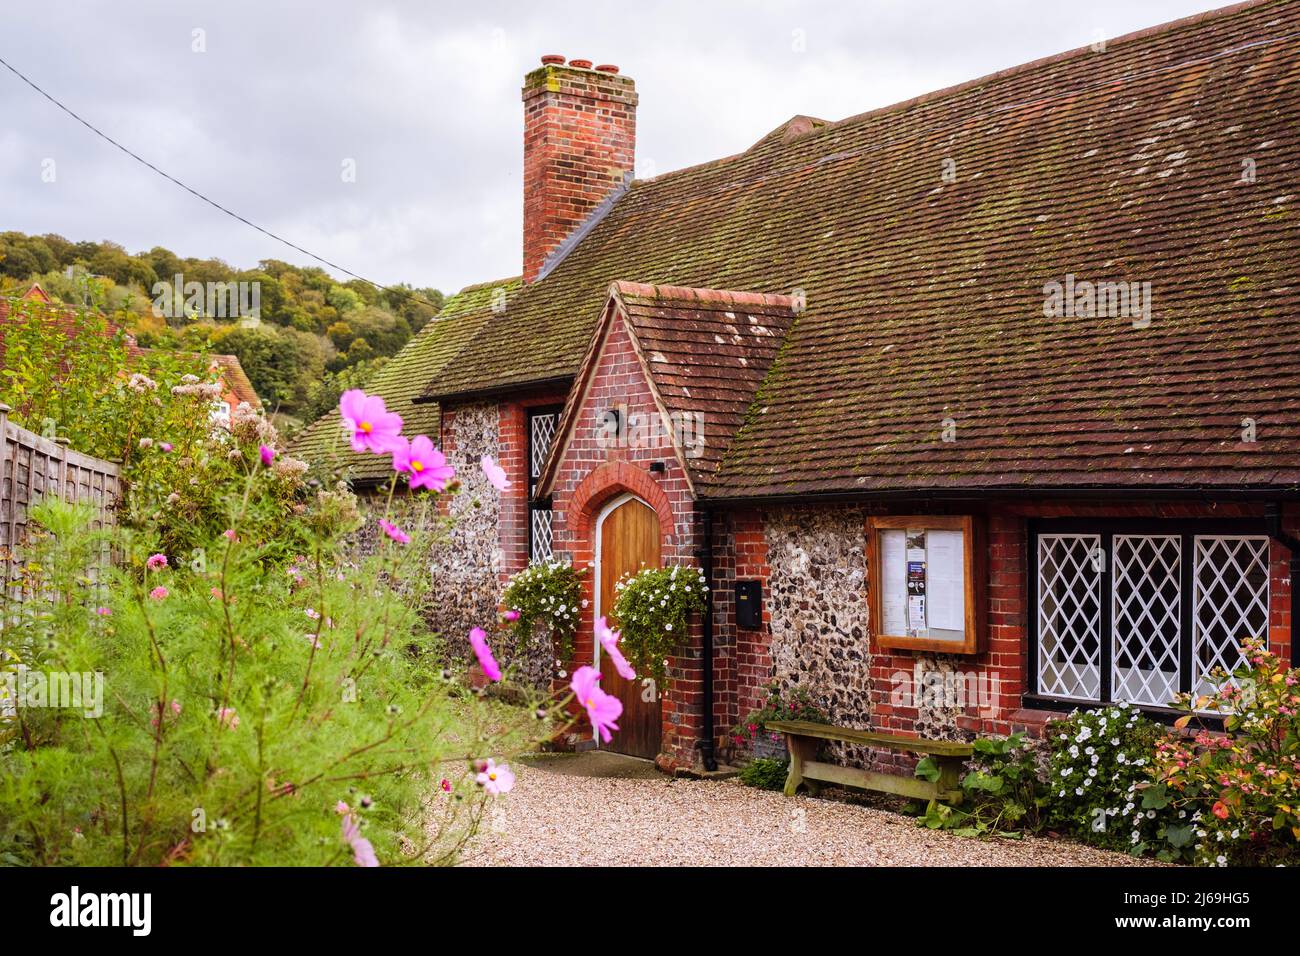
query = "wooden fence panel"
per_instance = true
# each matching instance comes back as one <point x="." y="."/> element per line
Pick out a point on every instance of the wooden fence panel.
<point x="32" y="466"/>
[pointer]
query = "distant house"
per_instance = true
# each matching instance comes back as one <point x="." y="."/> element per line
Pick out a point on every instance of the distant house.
<point x="237" y="388"/>
<point x="993" y="391"/>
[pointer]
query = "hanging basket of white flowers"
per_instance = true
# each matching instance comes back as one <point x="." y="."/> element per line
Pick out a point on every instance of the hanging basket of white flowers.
<point x="548" y="593"/>
<point x="653" y="609"/>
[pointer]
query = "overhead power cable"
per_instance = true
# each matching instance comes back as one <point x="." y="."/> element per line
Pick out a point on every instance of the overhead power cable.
<point x="211" y="202"/>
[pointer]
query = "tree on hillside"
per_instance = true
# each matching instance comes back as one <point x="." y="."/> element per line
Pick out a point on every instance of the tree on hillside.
<point x="311" y="323"/>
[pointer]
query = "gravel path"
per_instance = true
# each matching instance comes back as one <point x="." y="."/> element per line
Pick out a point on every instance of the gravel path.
<point x="600" y="808"/>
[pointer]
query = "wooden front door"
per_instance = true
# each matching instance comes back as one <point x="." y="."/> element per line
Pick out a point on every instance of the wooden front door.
<point x="629" y="539"/>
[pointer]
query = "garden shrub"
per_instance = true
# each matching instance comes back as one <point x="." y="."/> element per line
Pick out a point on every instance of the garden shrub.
<point x="75" y="378"/>
<point x="1241" y="791"/>
<point x="653" y="608"/>
<point x="765" y="773"/>
<point x="797" y="705"/>
<point x="1002" y="790"/>
<point x="1099" y="779"/>
<point x="241" y="710"/>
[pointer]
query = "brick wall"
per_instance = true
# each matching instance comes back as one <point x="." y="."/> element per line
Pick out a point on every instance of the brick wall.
<point x="579" y="144"/>
<point x="512" y="455"/>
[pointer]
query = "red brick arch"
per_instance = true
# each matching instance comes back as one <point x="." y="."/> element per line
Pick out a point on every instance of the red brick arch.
<point x="605" y="482"/>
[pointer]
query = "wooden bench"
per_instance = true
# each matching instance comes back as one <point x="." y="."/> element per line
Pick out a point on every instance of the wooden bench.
<point x="802" y="738"/>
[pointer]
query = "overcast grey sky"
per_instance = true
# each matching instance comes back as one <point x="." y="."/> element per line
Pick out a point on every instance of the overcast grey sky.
<point x="425" y="98"/>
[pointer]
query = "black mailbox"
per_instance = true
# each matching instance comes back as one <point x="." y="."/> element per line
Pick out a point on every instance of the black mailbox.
<point x="749" y="605"/>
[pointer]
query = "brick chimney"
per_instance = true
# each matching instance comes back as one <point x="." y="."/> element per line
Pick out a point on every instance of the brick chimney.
<point x="579" y="146"/>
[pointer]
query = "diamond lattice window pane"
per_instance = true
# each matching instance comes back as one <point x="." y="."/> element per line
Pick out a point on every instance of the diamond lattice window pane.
<point x="1069" y="615"/>
<point x="541" y="519"/>
<point x="1231" y="601"/>
<point x="543" y="431"/>
<point x="1145" y="609"/>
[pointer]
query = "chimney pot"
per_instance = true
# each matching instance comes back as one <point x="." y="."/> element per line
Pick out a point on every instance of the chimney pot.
<point x="552" y="59"/>
<point x="580" y="64"/>
<point x="607" y="68"/>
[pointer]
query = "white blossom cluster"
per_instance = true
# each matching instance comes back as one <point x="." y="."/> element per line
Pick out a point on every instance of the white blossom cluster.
<point x="1093" y="761"/>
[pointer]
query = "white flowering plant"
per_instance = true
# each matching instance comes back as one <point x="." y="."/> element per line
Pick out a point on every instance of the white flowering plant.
<point x="549" y="592"/>
<point x="1100" y="784"/>
<point x="653" y="609"/>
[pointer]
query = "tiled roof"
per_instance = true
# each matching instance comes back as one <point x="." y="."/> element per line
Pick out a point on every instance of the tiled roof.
<point x="463" y="317"/>
<point x="923" y="237"/>
<point x="232" y="373"/>
<point x="704" y="352"/>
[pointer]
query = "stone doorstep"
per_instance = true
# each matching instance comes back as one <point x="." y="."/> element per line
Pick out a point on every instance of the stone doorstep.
<point x="724" y="772"/>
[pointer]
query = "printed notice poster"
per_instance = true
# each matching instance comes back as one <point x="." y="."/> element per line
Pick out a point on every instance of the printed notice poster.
<point x="915" y="614"/>
<point x="893" y="609"/>
<point x="947" y="583"/>
<point x="916" y="545"/>
<point x="915" y="582"/>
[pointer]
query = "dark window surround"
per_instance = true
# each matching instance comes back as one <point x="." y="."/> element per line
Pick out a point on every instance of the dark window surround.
<point x="543" y="504"/>
<point x="1107" y="528"/>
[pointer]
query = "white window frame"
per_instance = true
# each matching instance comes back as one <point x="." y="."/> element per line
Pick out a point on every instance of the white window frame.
<point x="1141" y="628"/>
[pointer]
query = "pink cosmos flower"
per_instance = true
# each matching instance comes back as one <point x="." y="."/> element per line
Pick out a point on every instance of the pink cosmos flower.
<point x="231" y="534"/>
<point x="495" y="779"/>
<point x="103" y="611"/>
<point x="609" y="644"/>
<point x="373" y="426"/>
<point x="426" y="465"/>
<point x="156" y="561"/>
<point x="602" y="708"/>
<point x="227" y="718"/>
<point x="511" y="615"/>
<point x="363" y="853"/>
<point x="446" y="785"/>
<point x="166" y="446"/>
<point x="268" y="455"/>
<point x="495" y="473"/>
<point x="478" y="641"/>
<point x="158" y="594"/>
<point x="394" y="532"/>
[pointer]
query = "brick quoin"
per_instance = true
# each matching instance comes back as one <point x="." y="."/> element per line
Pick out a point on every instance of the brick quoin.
<point x="579" y="145"/>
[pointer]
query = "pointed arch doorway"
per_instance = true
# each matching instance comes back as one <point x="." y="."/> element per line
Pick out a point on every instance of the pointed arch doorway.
<point x="627" y="536"/>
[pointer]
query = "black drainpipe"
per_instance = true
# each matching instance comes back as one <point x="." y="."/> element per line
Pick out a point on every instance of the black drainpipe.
<point x="1273" y="520"/>
<point x="705" y="556"/>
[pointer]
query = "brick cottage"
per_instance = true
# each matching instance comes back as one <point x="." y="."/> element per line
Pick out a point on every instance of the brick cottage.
<point x="986" y="405"/>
